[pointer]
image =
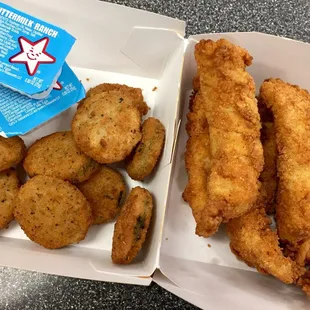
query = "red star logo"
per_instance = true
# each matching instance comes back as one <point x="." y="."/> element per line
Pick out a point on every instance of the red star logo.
<point x="32" y="54"/>
<point x="57" y="86"/>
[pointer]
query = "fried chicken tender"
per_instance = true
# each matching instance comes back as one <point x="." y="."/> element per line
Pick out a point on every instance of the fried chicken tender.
<point x="104" y="191"/>
<point x="107" y="127"/>
<point x="146" y="155"/>
<point x="304" y="283"/>
<point x="290" y="106"/>
<point x="57" y="155"/>
<point x="131" y="226"/>
<point x="9" y="186"/>
<point x="135" y="93"/>
<point x="251" y="238"/>
<point x="52" y="212"/>
<point x="253" y="241"/>
<point x="228" y="101"/>
<point x="12" y="152"/>
<point x="302" y="257"/>
<point x="197" y="158"/>
<point x="268" y="177"/>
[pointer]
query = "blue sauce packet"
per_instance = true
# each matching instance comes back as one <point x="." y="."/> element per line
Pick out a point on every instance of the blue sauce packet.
<point x="20" y="114"/>
<point x="32" y="52"/>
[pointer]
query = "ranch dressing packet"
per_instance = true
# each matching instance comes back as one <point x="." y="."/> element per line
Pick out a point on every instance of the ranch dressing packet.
<point x="32" y="52"/>
<point x="20" y="114"/>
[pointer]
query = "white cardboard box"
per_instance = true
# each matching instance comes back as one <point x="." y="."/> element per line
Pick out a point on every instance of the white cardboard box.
<point x="142" y="49"/>
<point x="217" y="278"/>
<point x="114" y="44"/>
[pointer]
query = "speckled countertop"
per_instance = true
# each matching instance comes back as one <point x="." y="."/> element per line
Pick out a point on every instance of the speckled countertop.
<point x="22" y="290"/>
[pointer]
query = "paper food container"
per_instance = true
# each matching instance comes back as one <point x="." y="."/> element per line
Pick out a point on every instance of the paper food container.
<point x="211" y="276"/>
<point x="117" y="44"/>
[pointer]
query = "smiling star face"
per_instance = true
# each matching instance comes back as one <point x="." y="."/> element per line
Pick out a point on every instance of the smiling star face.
<point x="32" y="54"/>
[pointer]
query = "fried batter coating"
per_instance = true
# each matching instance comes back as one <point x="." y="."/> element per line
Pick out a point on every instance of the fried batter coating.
<point x="304" y="283"/>
<point x="196" y="83"/>
<point x="253" y="241"/>
<point x="290" y="107"/>
<point x="104" y="191"/>
<point x="135" y="93"/>
<point x="107" y="127"/>
<point x="132" y="225"/>
<point x="52" y="212"/>
<point x="268" y="177"/>
<point x="147" y="153"/>
<point x="57" y="155"/>
<point x="197" y="157"/>
<point x="230" y="107"/>
<point x="12" y="152"/>
<point x="9" y="186"/>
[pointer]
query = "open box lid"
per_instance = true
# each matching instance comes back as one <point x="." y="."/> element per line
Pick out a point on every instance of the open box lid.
<point x="206" y="266"/>
<point x="132" y="47"/>
<point x="118" y="32"/>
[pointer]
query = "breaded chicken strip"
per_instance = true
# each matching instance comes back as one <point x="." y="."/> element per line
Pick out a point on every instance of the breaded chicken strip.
<point x="253" y="241"/>
<point x="304" y="283"/>
<point x="251" y="238"/>
<point x="197" y="157"/>
<point x="290" y="106"/>
<point x="228" y="101"/>
<point x="268" y="177"/>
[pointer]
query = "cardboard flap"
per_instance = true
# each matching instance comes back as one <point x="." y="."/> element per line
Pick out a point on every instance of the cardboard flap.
<point x="151" y="55"/>
<point x="101" y="29"/>
<point x="229" y="288"/>
<point x="206" y="265"/>
<point x="19" y="253"/>
<point x="196" y="299"/>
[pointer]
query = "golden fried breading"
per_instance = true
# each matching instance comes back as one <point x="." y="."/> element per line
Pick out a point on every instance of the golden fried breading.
<point x="135" y="93"/>
<point x="132" y="225"/>
<point x="290" y="107"/>
<point x="52" y="212"/>
<point x="12" y="152"/>
<point x="230" y="107"/>
<point x="146" y="155"/>
<point x="57" y="155"/>
<point x="107" y="127"/>
<point x="196" y="83"/>
<point x="104" y="191"/>
<point x="9" y="186"/>
<point x="197" y="158"/>
<point x="253" y="241"/>
<point x="304" y="283"/>
<point x="268" y="177"/>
